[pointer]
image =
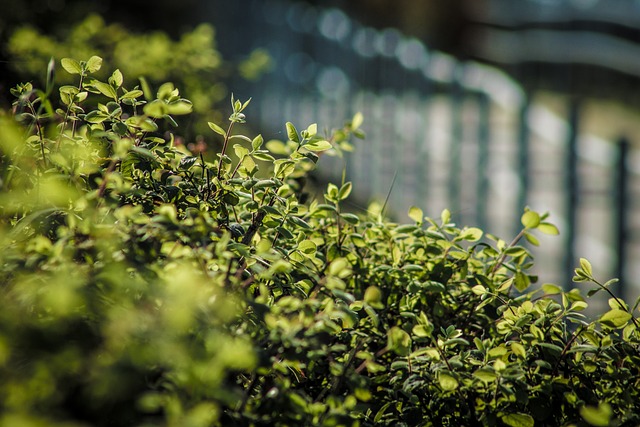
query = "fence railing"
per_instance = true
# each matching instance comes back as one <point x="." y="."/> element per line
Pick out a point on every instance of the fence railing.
<point x="446" y="133"/>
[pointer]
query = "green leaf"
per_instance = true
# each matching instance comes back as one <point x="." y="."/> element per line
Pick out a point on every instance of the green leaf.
<point x="105" y="89"/>
<point x="522" y="281"/>
<point x="240" y="151"/>
<point x="518" y="349"/>
<point x="180" y="108"/>
<point x="530" y="219"/>
<point x="578" y="306"/>
<point x="350" y="218"/>
<point x="51" y="70"/>
<point x="299" y="222"/>
<point x="96" y="116"/>
<point x="146" y="89"/>
<point x="71" y="66"/>
<point x="156" y="109"/>
<point x="292" y="132"/>
<point x="479" y="290"/>
<point x="345" y="190"/>
<point x="422" y="331"/>
<point x="312" y="129"/>
<point x="616" y="303"/>
<point x="283" y="168"/>
<point x="339" y="267"/>
<point x="373" y="297"/>
<point x="381" y="412"/>
<point x="471" y="234"/>
<point x="551" y="289"/>
<point x="307" y="247"/>
<point x="398" y="341"/>
<point x="485" y="375"/>
<point x="586" y="267"/>
<point x="94" y="64"/>
<point x="518" y="420"/>
<point x="447" y="382"/>
<point x="186" y="162"/>
<point x="532" y="239"/>
<point x="132" y="94"/>
<point x="263" y="157"/>
<point x="445" y="216"/>
<point x="356" y="122"/>
<point x="277" y="147"/>
<point x="245" y="104"/>
<point x="615" y="318"/>
<point x="256" y="143"/>
<point x="320" y="145"/>
<point x="416" y="214"/>
<point x="116" y="78"/>
<point x="600" y="416"/>
<point x="217" y="129"/>
<point x="548" y="228"/>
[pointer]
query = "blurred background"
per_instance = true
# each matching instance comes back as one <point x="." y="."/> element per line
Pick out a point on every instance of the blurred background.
<point x="479" y="106"/>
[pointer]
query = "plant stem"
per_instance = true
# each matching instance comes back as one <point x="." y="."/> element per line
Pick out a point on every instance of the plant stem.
<point x="224" y="149"/>
<point x="39" y="129"/>
<point x="504" y="253"/>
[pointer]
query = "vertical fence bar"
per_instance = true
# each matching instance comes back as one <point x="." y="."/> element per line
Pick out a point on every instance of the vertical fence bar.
<point x="622" y="219"/>
<point x="456" y="146"/>
<point x="572" y="190"/>
<point x="523" y="155"/>
<point x="482" y="189"/>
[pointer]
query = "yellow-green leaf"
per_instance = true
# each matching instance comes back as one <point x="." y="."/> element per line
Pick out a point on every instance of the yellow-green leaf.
<point x="373" y="297"/>
<point x="116" y="78"/>
<point x="105" y="89"/>
<point x="615" y="318"/>
<point x="356" y="122"/>
<point x="471" y="234"/>
<point x="312" y="129"/>
<point x="548" y="228"/>
<point x="180" y="108"/>
<point x="600" y="416"/>
<point x="530" y="219"/>
<point x="292" y="132"/>
<point x="551" y="289"/>
<point x="518" y="420"/>
<point x="518" y="349"/>
<point x="485" y="375"/>
<point x="71" y="66"/>
<point x="447" y="382"/>
<point x="94" y="64"/>
<point x="345" y="190"/>
<point x="320" y="145"/>
<point x="445" y="216"/>
<point x="307" y="247"/>
<point x="586" y="266"/>
<point x="399" y="341"/>
<point x="217" y="129"/>
<point x="416" y="214"/>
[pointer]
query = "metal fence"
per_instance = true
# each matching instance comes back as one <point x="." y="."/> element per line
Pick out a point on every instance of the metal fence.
<point x="452" y="134"/>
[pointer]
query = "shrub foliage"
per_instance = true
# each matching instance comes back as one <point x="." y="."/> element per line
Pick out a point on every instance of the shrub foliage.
<point x="144" y="285"/>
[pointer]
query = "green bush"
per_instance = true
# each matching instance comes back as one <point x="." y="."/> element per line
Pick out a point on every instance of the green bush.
<point x="143" y="285"/>
<point x="192" y="62"/>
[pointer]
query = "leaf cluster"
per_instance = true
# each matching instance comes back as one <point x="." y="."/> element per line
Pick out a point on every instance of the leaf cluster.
<point x="191" y="62"/>
<point x="142" y="284"/>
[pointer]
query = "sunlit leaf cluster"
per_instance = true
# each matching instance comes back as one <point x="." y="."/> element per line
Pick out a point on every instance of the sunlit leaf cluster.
<point x="143" y="284"/>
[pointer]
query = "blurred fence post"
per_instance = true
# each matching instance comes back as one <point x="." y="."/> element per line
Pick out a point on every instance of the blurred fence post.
<point x="484" y="129"/>
<point x="572" y="190"/>
<point x="523" y="156"/>
<point x="457" y="123"/>
<point x="622" y="219"/>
